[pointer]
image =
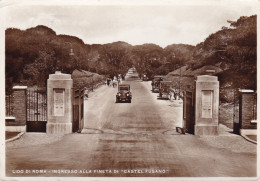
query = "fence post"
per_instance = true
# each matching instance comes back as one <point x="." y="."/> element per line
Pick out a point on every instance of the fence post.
<point x="247" y="111"/>
<point x="20" y="109"/>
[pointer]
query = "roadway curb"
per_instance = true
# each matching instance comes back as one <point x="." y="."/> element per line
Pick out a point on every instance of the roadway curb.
<point x="14" y="138"/>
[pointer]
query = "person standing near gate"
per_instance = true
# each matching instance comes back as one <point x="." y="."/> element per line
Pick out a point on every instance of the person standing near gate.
<point x="113" y="83"/>
<point x="108" y="81"/>
<point x="85" y="92"/>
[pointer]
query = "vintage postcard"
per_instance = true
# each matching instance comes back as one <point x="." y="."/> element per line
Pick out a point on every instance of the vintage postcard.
<point x="146" y="90"/>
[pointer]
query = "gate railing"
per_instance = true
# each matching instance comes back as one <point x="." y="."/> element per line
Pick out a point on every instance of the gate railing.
<point x="9" y="105"/>
<point x="36" y="105"/>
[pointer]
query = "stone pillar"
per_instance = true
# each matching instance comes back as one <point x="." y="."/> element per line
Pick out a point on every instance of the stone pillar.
<point x="59" y="97"/>
<point x="247" y="109"/>
<point x="20" y="109"/>
<point x="207" y="105"/>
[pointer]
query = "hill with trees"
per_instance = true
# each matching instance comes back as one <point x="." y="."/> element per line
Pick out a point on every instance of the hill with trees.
<point x="231" y="52"/>
<point x="33" y="54"/>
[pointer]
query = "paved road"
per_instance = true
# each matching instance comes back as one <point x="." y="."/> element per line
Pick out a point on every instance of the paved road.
<point x="143" y="115"/>
<point x="136" y="139"/>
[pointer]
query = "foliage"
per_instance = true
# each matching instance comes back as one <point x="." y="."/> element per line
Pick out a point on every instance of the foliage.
<point x="231" y="52"/>
<point x="39" y="70"/>
<point x="34" y="53"/>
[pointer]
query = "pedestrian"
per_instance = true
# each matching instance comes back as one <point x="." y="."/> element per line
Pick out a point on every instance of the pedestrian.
<point x="175" y="95"/>
<point x="85" y="92"/>
<point x="171" y="95"/>
<point x="108" y="82"/>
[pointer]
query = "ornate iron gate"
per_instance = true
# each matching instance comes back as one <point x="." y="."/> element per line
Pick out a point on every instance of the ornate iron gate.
<point x="36" y="110"/>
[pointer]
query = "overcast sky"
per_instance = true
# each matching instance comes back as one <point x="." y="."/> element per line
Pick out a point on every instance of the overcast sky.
<point x="135" y="24"/>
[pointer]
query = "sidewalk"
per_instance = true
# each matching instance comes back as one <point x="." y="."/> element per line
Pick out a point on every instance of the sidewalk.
<point x="32" y="139"/>
<point x="230" y="141"/>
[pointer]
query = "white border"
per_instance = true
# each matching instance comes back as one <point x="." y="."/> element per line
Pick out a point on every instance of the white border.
<point x="6" y="3"/>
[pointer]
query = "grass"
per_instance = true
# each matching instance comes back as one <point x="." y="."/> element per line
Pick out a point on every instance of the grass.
<point x="252" y="137"/>
<point x="86" y="79"/>
<point x="9" y="135"/>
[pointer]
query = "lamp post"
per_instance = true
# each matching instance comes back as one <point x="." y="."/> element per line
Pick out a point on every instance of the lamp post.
<point x="92" y="83"/>
<point x="71" y="53"/>
<point x="180" y="84"/>
<point x="179" y="66"/>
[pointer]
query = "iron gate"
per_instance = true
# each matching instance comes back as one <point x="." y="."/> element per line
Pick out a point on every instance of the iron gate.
<point x="189" y="111"/>
<point x="8" y="105"/>
<point x="36" y="110"/>
<point x="78" y="109"/>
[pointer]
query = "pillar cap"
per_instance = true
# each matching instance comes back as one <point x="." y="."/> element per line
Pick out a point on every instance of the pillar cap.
<point x="19" y="87"/>
<point x="59" y="76"/>
<point x="246" y="90"/>
<point x="207" y="78"/>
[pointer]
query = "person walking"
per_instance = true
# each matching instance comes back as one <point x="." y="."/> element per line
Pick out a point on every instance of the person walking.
<point x="85" y="93"/>
<point x="114" y="83"/>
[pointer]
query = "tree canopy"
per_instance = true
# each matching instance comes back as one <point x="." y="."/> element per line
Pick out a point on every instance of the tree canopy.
<point x="33" y="54"/>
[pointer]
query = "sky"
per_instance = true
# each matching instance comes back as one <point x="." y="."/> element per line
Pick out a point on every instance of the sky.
<point x="162" y="24"/>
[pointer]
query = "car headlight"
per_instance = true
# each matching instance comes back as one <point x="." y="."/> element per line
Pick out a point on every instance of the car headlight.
<point x="119" y="94"/>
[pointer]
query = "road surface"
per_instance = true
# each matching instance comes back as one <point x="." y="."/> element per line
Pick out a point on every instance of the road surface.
<point x="135" y="139"/>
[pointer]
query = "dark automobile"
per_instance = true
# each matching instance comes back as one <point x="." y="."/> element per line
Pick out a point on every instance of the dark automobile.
<point x="164" y="91"/>
<point x="123" y="93"/>
<point x="156" y="83"/>
<point x="144" y="77"/>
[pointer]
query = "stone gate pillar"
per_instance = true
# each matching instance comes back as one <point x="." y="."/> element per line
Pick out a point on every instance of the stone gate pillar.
<point x="207" y="105"/>
<point x="247" y="112"/>
<point x="19" y="103"/>
<point x="59" y="97"/>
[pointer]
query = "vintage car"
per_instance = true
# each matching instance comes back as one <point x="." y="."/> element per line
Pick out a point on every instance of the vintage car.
<point x="123" y="93"/>
<point x="156" y="83"/>
<point x="164" y="90"/>
<point x="144" y="77"/>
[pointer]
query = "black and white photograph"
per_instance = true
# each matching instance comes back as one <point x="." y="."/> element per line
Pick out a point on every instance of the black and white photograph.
<point x="145" y="90"/>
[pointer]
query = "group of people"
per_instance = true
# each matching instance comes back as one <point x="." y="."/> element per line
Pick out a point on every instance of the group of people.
<point x="114" y="82"/>
<point x="175" y="94"/>
<point x="110" y="82"/>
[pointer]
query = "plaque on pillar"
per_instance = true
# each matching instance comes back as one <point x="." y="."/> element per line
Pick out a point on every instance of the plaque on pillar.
<point x="58" y="102"/>
<point x="206" y="101"/>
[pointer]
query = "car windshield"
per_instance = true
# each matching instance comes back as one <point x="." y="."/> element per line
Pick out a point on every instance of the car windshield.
<point x="124" y="88"/>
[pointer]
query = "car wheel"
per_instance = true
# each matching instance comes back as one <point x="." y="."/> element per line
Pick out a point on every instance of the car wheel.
<point x="130" y="101"/>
